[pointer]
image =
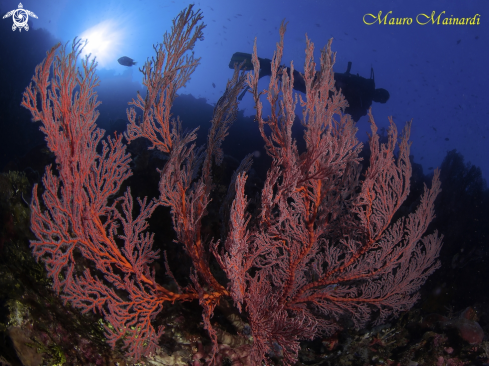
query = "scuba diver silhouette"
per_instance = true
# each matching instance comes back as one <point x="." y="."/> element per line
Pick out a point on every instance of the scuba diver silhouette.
<point x="358" y="91"/>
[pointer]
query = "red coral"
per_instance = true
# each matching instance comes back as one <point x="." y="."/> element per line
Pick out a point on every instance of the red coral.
<point x="323" y="246"/>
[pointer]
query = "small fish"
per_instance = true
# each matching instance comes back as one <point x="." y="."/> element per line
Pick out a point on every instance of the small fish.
<point x="126" y="61"/>
<point x="213" y="85"/>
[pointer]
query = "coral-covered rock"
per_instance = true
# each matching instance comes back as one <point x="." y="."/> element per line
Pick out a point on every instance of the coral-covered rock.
<point x="468" y="329"/>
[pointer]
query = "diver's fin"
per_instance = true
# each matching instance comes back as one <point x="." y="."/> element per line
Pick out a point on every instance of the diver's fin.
<point x="243" y="93"/>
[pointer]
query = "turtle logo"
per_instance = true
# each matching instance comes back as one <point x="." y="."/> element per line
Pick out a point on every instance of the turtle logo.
<point x="20" y="17"/>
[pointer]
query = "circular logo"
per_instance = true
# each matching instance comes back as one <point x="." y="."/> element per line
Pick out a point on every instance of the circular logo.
<point x="20" y="18"/>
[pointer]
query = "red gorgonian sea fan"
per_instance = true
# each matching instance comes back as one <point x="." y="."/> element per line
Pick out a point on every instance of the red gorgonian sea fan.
<point x="321" y="247"/>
